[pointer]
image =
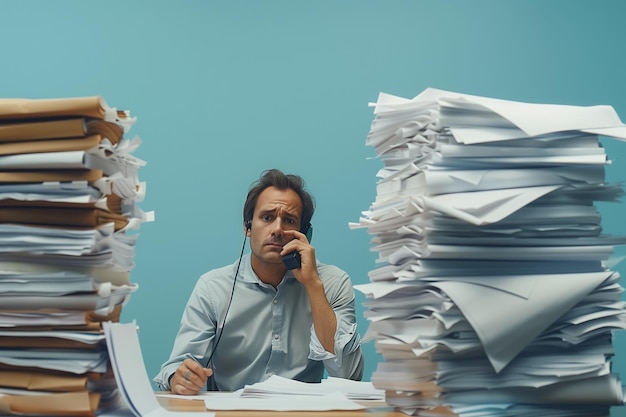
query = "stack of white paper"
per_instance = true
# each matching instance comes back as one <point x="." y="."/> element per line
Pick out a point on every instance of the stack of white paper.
<point x="69" y="216"/>
<point x="493" y="293"/>
<point x="279" y="386"/>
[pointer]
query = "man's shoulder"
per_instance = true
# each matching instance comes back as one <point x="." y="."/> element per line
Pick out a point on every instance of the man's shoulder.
<point x="337" y="283"/>
<point x="328" y="271"/>
<point x="219" y="273"/>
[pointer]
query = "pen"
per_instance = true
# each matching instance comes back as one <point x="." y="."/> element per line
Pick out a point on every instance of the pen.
<point x="210" y="386"/>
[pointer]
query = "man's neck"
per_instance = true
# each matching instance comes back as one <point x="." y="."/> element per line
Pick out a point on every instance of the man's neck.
<point x="271" y="274"/>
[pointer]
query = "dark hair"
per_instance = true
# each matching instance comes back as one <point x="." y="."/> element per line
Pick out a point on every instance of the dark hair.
<point x="276" y="178"/>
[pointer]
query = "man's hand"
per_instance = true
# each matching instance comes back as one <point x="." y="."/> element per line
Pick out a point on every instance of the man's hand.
<point x="190" y="378"/>
<point x="307" y="273"/>
<point x="324" y="319"/>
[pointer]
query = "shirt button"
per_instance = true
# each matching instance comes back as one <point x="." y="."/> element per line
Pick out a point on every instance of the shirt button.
<point x="275" y="301"/>
<point x="275" y="337"/>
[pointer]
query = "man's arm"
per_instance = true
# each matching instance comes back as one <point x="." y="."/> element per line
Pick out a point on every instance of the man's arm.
<point x="332" y="309"/>
<point x="347" y="361"/>
<point x="192" y="341"/>
<point x="324" y="319"/>
<point x="334" y="324"/>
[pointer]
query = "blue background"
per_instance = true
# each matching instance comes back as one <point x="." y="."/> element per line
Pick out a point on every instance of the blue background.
<point x="224" y="90"/>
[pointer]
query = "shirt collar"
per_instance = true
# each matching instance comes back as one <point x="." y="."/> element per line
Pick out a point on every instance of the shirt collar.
<point x="247" y="274"/>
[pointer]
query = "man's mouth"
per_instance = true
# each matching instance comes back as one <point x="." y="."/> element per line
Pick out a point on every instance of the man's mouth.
<point x="275" y="245"/>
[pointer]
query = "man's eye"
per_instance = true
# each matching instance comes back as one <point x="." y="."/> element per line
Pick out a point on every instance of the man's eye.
<point x="290" y="221"/>
<point x="267" y="218"/>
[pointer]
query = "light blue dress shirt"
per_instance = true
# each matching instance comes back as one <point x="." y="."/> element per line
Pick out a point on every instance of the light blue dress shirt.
<point x="268" y="331"/>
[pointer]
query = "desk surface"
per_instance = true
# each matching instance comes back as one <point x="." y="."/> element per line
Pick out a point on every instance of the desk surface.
<point x="377" y="410"/>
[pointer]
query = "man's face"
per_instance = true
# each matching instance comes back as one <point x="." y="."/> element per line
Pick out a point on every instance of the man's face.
<point x="276" y="211"/>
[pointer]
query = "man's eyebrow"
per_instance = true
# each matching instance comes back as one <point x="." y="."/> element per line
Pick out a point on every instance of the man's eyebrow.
<point x="291" y="215"/>
<point x="286" y="213"/>
<point x="274" y="210"/>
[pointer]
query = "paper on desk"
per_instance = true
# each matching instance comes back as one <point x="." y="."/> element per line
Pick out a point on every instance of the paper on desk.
<point x="130" y="372"/>
<point x="19" y="108"/>
<point x="92" y="159"/>
<point x="605" y="389"/>
<point x="50" y="145"/>
<point x="99" y="273"/>
<point x="102" y="303"/>
<point x="467" y="202"/>
<point x="512" y="309"/>
<point x="279" y="386"/>
<point x="455" y="181"/>
<point x="498" y="119"/>
<point x="516" y="309"/>
<point x="284" y="402"/>
<point x="64" y="361"/>
<point x="554" y="118"/>
<point x="486" y="207"/>
<point x="354" y="390"/>
<point x="283" y="394"/>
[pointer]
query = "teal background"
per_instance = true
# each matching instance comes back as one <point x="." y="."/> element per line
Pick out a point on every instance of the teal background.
<point x="225" y="89"/>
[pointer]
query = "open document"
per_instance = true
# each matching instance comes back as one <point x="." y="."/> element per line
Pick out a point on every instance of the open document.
<point x="130" y="372"/>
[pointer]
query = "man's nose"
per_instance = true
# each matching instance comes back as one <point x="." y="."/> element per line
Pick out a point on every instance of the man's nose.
<point x="277" y="227"/>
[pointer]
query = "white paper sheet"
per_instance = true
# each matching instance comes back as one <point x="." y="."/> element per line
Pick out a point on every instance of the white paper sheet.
<point x="130" y="372"/>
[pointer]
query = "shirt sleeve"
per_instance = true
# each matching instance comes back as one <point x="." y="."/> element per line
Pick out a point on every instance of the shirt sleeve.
<point x="195" y="335"/>
<point x="347" y="361"/>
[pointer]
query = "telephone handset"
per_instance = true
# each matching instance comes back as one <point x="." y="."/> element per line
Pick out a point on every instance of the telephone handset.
<point x="292" y="259"/>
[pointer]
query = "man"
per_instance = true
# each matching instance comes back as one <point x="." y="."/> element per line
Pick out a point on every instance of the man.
<point x="292" y="323"/>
